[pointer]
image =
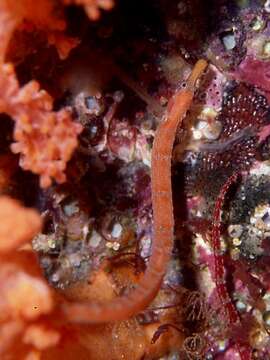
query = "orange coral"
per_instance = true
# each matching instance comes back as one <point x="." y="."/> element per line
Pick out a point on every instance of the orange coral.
<point x="18" y="225"/>
<point x="25" y="300"/>
<point x="32" y="325"/>
<point x="40" y="13"/>
<point x="46" y="15"/>
<point x="92" y="6"/>
<point x="25" y="296"/>
<point x="46" y="139"/>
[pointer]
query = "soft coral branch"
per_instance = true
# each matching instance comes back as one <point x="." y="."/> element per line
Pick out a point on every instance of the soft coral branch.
<point x="25" y="296"/>
<point x="32" y="325"/>
<point x="18" y="225"/>
<point x="44" y="138"/>
<point x="40" y="13"/>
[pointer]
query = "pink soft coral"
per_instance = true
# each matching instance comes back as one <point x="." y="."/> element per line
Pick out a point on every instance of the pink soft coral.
<point x="41" y="14"/>
<point x="44" y="138"/>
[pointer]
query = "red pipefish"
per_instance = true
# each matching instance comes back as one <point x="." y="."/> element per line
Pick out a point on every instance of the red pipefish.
<point x="219" y="271"/>
<point x="126" y="306"/>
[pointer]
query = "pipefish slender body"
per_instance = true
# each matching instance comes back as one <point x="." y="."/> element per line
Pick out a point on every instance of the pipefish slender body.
<point x="137" y="300"/>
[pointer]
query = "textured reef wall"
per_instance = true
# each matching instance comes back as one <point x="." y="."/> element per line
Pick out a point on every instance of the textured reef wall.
<point x="119" y="238"/>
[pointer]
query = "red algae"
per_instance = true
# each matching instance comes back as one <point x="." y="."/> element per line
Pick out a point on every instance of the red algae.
<point x="250" y="66"/>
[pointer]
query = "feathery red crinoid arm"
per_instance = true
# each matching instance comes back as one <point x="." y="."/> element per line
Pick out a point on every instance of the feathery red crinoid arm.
<point x="219" y="262"/>
<point x="220" y="281"/>
<point x="126" y="306"/>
